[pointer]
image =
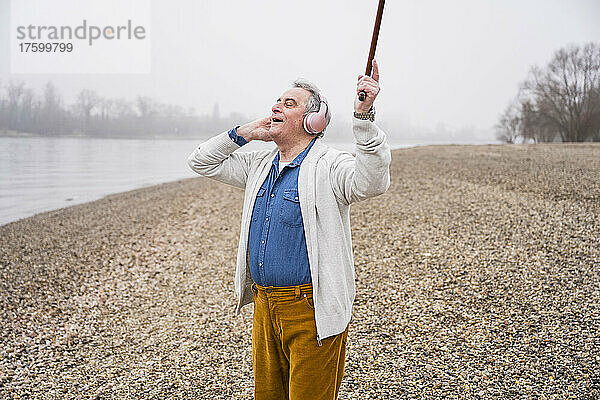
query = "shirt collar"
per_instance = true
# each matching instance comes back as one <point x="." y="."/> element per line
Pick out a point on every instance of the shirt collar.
<point x="299" y="157"/>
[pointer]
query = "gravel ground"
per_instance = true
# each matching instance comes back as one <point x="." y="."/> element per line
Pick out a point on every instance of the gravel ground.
<point x="477" y="277"/>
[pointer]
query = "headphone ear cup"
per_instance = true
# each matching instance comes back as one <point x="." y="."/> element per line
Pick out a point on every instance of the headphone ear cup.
<point x="305" y="122"/>
<point x="315" y="122"/>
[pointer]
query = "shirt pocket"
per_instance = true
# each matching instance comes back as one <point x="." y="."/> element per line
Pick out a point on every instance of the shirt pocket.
<point x="290" y="208"/>
<point x="258" y="203"/>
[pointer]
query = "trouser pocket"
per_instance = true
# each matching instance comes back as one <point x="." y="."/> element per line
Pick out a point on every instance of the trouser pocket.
<point x="308" y="301"/>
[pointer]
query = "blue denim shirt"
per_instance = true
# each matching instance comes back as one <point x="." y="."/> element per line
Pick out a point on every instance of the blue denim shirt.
<point x="276" y="242"/>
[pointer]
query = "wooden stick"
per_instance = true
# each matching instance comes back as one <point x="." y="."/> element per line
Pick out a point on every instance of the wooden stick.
<point x="363" y="95"/>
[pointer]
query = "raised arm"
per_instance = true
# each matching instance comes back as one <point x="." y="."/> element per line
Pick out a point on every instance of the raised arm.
<point x="216" y="158"/>
<point x="368" y="174"/>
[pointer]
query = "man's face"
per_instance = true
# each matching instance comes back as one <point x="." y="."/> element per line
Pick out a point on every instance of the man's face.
<point x="288" y="113"/>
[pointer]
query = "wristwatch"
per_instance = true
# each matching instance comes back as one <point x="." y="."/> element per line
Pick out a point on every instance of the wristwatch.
<point x="370" y="116"/>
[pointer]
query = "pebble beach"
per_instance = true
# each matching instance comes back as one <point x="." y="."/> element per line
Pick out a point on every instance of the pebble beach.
<point x="477" y="277"/>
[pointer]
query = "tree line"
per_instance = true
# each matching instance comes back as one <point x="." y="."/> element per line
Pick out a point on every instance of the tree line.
<point x="91" y="115"/>
<point x="557" y="103"/>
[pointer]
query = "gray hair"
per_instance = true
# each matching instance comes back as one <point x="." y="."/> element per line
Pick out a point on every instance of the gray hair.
<point x="314" y="102"/>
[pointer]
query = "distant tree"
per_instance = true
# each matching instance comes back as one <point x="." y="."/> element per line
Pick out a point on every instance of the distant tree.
<point x="87" y="100"/>
<point x="14" y="91"/>
<point x="52" y="112"/>
<point x="29" y="111"/>
<point x="146" y="109"/>
<point x="3" y="109"/>
<point x="52" y="101"/>
<point x="564" y="96"/>
<point x="122" y="109"/>
<point x="596" y="120"/>
<point x="509" y="126"/>
<point x="145" y="106"/>
<point x="106" y="108"/>
<point x="534" y="126"/>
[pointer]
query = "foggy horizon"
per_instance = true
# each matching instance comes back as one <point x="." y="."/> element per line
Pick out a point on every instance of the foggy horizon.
<point x="445" y="68"/>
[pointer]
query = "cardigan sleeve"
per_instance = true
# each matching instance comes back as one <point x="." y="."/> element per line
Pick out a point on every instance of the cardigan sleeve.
<point x="215" y="158"/>
<point x="368" y="174"/>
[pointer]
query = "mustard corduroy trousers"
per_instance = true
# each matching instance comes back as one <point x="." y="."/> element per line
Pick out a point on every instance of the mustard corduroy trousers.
<point x="288" y="362"/>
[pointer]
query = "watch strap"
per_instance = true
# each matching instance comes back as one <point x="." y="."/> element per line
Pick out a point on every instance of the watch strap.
<point x="369" y="116"/>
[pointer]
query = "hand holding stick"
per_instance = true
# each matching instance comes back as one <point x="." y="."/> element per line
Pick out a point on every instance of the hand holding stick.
<point x="363" y="95"/>
<point x="369" y="85"/>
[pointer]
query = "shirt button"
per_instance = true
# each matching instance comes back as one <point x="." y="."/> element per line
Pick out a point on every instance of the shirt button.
<point x="272" y="194"/>
<point x="263" y="241"/>
<point x="296" y="198"/>
<point x="267" y="219"/>
<point x="260" y="264"/>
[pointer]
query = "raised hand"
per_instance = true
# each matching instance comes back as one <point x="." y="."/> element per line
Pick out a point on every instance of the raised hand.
<point x="370" y="85"/>
<point x="256" y="130"/>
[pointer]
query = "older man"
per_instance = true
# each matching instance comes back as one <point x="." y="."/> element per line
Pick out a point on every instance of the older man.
<point x="294" y="256"/>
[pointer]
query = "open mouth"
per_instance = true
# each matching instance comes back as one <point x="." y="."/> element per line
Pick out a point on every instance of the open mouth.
<point x="276" y="119"/>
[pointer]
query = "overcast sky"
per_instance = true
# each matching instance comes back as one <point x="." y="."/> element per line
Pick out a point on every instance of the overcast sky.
<point x="453" y="64"/>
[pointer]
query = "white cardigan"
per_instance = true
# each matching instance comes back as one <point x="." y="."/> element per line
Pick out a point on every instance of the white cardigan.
<point x="328" y="182"/>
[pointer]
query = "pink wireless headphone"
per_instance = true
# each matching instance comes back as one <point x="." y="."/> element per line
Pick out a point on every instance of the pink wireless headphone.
<point x="315" y="122"/>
